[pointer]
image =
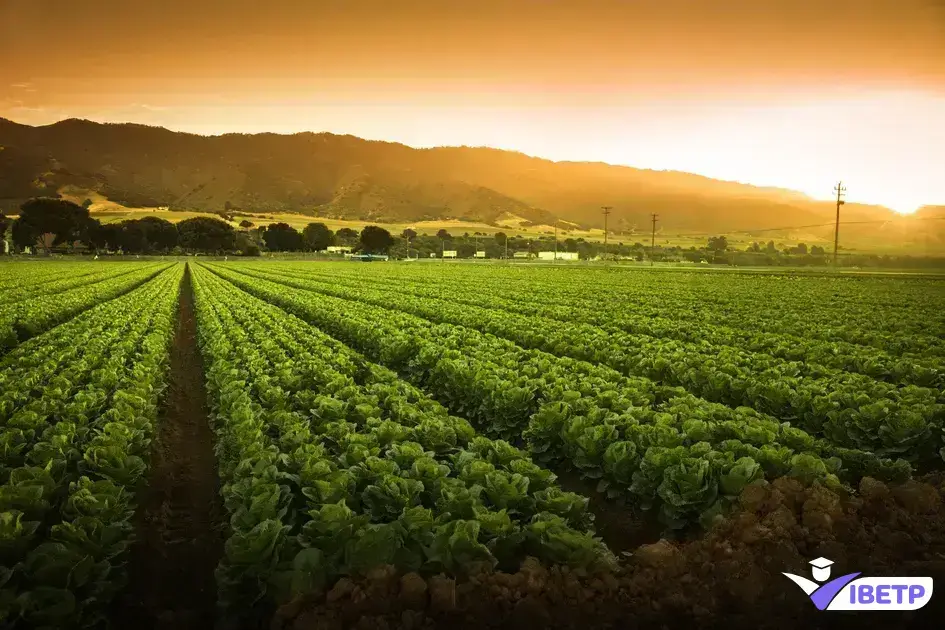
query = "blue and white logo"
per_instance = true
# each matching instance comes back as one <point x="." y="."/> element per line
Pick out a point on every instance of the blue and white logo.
<point x="850" y="592"/>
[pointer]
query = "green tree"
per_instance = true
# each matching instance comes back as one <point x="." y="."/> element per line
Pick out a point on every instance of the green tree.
<point x="466" y="250"/>
<point x="500" y="238"/>
<point x="130" y="237"/>
<point x="246" y="245"/>
<point x="376" y="240"/>
<point x="156" y="234"/>
<point x="246" y="224"/>
<point x="817" y="250"/>
<point x="770" y="248"/>
<point x="66" y="221"/>
<point x="317" y="236"/>
<point x="346" y="236"/>
<point x="107" y="236"/>
<point x="718" y="243"/>
<point x="401" y="249"/>
<point x="409" y="235"/>
<point x="206" y="234"/>
<point x="282" y="237"/>
<point x="443" y="235"/>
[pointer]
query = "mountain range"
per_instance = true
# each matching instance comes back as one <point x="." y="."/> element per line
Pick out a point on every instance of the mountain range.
<point x="345" y="177"/>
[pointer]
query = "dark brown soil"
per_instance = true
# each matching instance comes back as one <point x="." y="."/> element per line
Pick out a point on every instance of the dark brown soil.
<point x="730" y="579"/>
<point x="179" y="533"/>
<point x="622" y="527"/>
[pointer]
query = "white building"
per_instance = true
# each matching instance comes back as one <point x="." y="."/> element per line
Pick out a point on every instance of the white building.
<point x="449" y="253"/>
<point x="480" y="254"/>
<point x="339" y="249"/>
<point x="560" y="256"/>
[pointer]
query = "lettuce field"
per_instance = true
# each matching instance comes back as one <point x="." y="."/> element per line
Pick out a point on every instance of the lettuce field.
<point x="311" y="445"/>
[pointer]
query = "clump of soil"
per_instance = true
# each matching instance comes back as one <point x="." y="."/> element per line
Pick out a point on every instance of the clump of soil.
<point x="178" y="530"/>
<point x="730" y="578"/>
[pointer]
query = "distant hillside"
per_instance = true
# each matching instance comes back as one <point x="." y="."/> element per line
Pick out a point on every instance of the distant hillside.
<point x="345" y="177"/>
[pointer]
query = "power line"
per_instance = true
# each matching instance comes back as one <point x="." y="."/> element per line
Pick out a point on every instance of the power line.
<point x="556" y="240"/>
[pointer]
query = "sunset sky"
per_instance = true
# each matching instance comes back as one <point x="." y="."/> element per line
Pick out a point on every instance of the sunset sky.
<point x="794" y="93"/>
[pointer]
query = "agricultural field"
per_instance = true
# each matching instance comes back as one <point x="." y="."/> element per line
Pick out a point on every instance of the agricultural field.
<point x="249" y="444"/>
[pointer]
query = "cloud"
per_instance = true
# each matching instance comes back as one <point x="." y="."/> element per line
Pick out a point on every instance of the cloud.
<point x="23" y="86"/>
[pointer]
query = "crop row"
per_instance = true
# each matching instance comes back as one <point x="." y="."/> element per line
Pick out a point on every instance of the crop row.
<point x="76" y="421"/>
<point x="33" y="273"/>
<point x="331" y="465"/>
<point x="21" y="320"/>
<point x="853" y="411"/>
<point x="899" y="314"/>
<point x="653" y="445"/>
<point x="70" y="277"/>
<point x="584" y="306"/>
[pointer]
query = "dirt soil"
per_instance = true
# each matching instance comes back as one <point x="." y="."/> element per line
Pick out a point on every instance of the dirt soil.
<point x="178" y="524"/>
<point x="622" y="528"/>
<point x="731" y="578"/>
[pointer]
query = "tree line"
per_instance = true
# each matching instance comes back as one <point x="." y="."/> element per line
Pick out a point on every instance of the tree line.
<point x="45" y="224"/>
<point x="50" y="223"/>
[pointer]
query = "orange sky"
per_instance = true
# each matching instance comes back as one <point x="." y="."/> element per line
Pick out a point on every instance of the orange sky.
<point x="790" y="93"/>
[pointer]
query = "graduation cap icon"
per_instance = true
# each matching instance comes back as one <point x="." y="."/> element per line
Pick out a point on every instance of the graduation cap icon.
<point x="821" y="570"/>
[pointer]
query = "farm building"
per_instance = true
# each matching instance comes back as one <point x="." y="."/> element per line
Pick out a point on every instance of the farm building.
<point x="560" y="255"/>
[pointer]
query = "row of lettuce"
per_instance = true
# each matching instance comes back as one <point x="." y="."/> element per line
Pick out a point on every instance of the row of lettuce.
<point x="652" y="445"/>
<point x="900" y="314"/>
<point x="850" y="410"/>
<point x="331" y="465"/>
<point x="35" y="302"/>
<point x="77" y="413"/>
<point x="648" y="316"/>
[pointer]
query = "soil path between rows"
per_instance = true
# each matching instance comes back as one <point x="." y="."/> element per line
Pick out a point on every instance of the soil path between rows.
<point x="178" y="525"/>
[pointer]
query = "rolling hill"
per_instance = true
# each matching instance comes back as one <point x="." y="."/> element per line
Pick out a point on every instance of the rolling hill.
<point x="344" y="177"/>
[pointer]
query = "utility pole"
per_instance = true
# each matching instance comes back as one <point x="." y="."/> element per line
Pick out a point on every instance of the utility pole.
<point x="506" y="246"/>
<point x="556" y="240"/>
<point x="840" y="189"/>
<point x="606" y="210"/>
<point x="653" y="238"/>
